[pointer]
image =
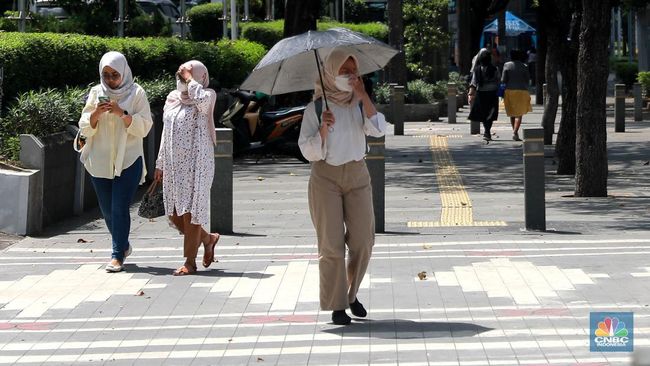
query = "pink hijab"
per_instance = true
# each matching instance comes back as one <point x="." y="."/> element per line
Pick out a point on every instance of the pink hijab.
<point x="330" y="71"/>
<point x="177" y="98"/>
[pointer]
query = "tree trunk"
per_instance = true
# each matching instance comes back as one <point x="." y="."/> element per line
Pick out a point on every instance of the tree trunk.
<point x="591" y="132"/>
<point x="397" y="66"/>
<point x="465" y="46"/>
<point x="540" y="67"/>
<point x="554" y="42"/>
<point x="300" y="16"/>
<point x="565" y="146"/>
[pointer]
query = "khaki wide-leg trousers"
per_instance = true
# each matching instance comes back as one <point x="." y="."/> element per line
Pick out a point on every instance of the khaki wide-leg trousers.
<point x="340" y="203"/>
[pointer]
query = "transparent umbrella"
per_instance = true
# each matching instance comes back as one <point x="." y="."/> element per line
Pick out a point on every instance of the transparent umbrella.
<point x="294" y="63"/>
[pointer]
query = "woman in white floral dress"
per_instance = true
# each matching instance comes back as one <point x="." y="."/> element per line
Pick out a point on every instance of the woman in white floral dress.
<point x="185" y="161"/>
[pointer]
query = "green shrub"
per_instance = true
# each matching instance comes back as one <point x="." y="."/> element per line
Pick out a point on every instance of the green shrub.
<point x="382" y="93"/>
<point x="42" y="113"/>
<point x="420" y="92"/>
<point x="644" y="78"/>
<point x="266" y="33"/>
<point x="270" y="33"/>
<point x="158" y="89"/>
<point x="375" y="30"/>
<point x="460" y="82"/>
<point x="145" y="25"/>
<point x="8" y="25"/>
<point x="626" y="72"/>
<point x="204" y="21"/>
<point x="45" y="60"/>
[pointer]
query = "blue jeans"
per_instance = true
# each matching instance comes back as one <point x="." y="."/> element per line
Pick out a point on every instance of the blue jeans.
<point x="115" y="196"/>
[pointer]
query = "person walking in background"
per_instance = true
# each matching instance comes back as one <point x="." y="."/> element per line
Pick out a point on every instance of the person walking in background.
<point x="482" y="92"/>
<point x="340" y="195"/>
<point x="114" y="122"/>
<point x="185" y="162"/>
<point x="532" y="61"/>
<point x="516" y="98"/>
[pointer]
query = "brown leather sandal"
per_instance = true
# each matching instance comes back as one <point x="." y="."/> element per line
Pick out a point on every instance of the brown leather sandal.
<point x="209" y="259"/>
<point x="184" y="270"/>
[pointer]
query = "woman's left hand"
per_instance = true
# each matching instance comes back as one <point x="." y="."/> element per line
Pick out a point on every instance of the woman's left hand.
<point x="357" y="86"/>
<point x="115" y="109"/>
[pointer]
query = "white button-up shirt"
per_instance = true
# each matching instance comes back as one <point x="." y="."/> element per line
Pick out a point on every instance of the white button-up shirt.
<point x="346" y="142"/>
<point x="111" y="147"/>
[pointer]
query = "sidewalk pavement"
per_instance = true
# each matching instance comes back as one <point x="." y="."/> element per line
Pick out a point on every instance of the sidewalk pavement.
<point x="461" y="284"/>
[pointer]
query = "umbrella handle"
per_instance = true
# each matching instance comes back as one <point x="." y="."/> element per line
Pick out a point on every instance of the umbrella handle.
<point x="320" y="75"/>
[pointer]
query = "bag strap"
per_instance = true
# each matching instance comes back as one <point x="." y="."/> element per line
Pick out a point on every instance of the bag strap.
<point x="152" y="188"/>
<point x="75" y="144"/>
<point x="318" y="106"/>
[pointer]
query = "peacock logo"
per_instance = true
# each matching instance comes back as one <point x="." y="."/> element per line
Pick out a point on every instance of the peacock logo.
<point x="611" y="331"/>
<point x="611" y="327"/>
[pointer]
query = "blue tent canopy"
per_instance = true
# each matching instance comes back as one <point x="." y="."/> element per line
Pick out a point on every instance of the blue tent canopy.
<point x="514" y="26"/>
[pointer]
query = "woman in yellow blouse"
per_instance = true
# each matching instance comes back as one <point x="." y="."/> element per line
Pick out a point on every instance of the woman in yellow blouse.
<point x="114" y="121"/>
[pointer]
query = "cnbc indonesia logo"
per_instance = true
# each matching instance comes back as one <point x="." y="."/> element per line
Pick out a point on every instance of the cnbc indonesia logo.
<point x="609" y="332"/>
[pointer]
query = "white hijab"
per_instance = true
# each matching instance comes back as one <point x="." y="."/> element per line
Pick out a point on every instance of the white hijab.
<point x="126" y="90"/>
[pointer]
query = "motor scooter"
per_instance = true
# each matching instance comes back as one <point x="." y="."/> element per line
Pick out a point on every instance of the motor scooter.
<point x="262" y="133"/>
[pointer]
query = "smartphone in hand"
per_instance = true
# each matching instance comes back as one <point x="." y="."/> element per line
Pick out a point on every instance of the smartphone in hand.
<point x="104" y="99"/>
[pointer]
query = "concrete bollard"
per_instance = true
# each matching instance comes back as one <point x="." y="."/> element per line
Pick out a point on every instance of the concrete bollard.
<point x="475" y="127"/>
<point x="221" y="195"/>
<point x="534" y="190"/>
<point x="397" y="106"/>
<point x="452" y="90"/>
<point x="638" y="102"/>
<point x="376" y="167"/>
<point x="619" y="108"/>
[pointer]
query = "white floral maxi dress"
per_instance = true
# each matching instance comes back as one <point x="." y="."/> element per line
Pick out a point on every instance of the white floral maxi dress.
<point x="186" y="157"/>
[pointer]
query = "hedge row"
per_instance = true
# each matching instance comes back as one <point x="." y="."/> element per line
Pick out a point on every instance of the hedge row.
<point x="204" y="21"/>
<point x="47" y="60"/>
<point x="269" y="33"/>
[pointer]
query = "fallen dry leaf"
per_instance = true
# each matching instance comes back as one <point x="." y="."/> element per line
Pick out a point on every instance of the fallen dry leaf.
<point x="260" y="359"/>
<point x="140" y="293"/>
<point x="422" y="275"/>
<point x="260" y="178"/>
<point x="292" y="174"/>
<point x="427" y="246"/>
<point x="81" y="240"/>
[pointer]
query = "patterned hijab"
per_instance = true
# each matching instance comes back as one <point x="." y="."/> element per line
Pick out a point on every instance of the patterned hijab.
<point x="330" y="71"/>
<point x="126" y="90"/>
<point x="177" y="98"/>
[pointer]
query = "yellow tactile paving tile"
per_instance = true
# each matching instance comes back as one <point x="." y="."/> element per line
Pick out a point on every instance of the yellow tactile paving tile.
<point x="455" y="201"/>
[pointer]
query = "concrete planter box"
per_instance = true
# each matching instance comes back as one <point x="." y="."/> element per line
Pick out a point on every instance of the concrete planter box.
<point x="413" y="112"/>
<point x="58" y="165"/>
<point x="20" y="201"/>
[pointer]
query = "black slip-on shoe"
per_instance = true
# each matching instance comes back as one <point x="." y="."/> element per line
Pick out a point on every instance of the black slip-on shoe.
<point x="339" y="317"/>
<point x="357" y="309"/>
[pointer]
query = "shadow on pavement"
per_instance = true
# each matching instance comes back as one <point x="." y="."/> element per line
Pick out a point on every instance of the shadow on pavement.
<point x="202" y="272"/>
<point x="408" y="329"/>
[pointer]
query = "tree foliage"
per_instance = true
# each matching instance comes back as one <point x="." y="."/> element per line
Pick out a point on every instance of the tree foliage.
<point x="423" y="33"/>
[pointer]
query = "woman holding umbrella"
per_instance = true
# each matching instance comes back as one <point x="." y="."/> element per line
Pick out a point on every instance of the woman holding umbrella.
<point x="340" y="195"/>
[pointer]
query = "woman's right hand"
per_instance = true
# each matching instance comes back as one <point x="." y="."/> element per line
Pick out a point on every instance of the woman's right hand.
<point x="99" y="110"/>
<point x="158" y="175"/>
<point x="327" y="122"/>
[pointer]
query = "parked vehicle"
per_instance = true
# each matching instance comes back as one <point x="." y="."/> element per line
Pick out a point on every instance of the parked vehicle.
<point x="261" y="133"/>
<point x="49" y="8"/>
<point x="166" y="8"/>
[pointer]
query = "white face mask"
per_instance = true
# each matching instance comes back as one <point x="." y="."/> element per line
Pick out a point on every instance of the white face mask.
<point x="181" y="86"/>
<point x="343" y="83"/>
